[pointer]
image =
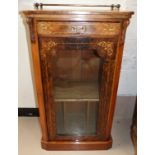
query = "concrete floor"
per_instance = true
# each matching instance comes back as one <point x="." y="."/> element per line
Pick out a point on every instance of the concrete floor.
<point x="30" y="135"/>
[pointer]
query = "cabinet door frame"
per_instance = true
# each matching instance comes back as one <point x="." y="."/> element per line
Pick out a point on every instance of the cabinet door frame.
<point x="107" y="74"/>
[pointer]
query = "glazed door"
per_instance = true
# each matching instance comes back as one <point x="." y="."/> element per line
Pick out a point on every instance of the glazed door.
<point x="77" y="74"/>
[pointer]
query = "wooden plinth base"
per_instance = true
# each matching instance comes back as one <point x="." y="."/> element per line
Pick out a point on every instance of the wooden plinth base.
<point x="64" y="145"/>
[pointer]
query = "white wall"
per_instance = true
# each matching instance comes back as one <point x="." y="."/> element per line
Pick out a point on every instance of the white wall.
<point x="127" y="84"/>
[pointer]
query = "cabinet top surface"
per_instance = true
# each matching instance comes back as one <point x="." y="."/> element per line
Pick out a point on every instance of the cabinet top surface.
<point x="50" y="13"/>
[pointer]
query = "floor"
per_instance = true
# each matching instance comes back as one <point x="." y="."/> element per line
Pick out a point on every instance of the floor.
<point x="30" y="135"/>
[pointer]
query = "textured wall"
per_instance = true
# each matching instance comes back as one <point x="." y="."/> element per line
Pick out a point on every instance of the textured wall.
<point x="128" y="83"/>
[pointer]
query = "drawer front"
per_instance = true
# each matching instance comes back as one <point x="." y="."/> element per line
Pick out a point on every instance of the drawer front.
<point x="59" y="28"/>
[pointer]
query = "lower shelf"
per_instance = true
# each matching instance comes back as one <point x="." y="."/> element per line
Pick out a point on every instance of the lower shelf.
<point x="67" y="145"/>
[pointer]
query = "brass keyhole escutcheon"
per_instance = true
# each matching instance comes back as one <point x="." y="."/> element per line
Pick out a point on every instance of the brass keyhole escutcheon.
<point x="78" y="29"/>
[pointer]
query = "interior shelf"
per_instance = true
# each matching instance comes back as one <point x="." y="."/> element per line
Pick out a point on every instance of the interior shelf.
<point x="77" y="91"/>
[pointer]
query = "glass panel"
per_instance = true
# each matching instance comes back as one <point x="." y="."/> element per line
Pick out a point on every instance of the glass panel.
<point x="76" y="118"/>
<point x="75" y="77"/>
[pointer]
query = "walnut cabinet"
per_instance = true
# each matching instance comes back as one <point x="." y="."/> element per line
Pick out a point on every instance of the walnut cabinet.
<point x="77" y="59"/>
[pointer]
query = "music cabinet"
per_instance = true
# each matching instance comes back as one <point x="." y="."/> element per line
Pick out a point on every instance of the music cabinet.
<point x="77" y="59"/>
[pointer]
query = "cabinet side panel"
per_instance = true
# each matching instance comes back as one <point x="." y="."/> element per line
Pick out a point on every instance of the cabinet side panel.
<point x="37" y="75"/>
<point x="115" y="80"/>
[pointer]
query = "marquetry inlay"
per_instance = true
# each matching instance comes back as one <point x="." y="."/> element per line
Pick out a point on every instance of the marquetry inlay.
<point x="50" y="28"/>
<point x="48" y="45"/>
<point x="107" y="47"/>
